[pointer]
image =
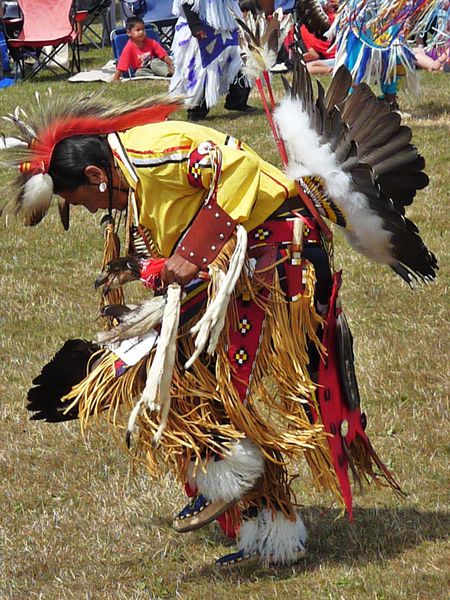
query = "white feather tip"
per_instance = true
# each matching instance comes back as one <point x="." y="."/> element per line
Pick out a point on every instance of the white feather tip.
<point x="36" y="198"/>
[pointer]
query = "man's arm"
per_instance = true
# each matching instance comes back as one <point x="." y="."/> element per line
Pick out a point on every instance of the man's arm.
<point x="196" y="26"/>
<point x="169" y="63"/>
<point x="216" y="221"/>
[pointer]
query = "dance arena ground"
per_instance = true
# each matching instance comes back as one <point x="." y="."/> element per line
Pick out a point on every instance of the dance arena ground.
<point x="77" y="524"/>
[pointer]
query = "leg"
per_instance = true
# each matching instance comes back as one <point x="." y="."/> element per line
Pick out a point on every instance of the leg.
<point x="197" y="113"/>
<point x="272" y="535"/>
<point x="238" y="94"/>
<point x="219" y="482"/>
<point x="159" y="67"/>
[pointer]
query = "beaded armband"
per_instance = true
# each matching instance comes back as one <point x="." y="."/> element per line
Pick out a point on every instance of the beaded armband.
<point x="211" y="228"/>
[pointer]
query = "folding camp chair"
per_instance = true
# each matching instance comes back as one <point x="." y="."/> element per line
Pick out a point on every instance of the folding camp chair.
<point x="47" y="28"/>
<point x="287" y="5"/>
<point x="87" y="13"/>
<point x="119" y="38"/>
<point x="157" y="12"/>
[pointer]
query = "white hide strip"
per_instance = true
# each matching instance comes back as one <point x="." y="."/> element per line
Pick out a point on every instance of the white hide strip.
<point x="156" y="394"/>
<point x="37" y="195"/>
<point x="231" y="477"/>
<point x="280" y="540"/>
<point x="248" y="536"/>
<point x="307" y="156"/>
<point x="212" y="322"/>
<point x="10" y="142"/>
<point x="137" y="323"/>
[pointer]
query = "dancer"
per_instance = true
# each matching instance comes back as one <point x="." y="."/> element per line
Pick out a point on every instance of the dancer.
<point x="207" y="58"/>
<point x="240" y="360"/>
<point x="371" y="39"/>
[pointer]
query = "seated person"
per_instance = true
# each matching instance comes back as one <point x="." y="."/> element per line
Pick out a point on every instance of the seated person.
<point x="319" y="55"/>
<point x="431" y="60"/>
<point x="142" y="54"/>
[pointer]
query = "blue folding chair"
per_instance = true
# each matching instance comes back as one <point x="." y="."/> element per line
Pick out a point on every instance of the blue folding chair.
<point x="157" y="12"/>
<point x="119" y="38"/>
<point x="287" y="5"/>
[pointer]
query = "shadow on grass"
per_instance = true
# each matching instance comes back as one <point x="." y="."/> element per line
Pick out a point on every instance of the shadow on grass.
<point x="50" y="77"/>
<point x="375" y="535"/>
<point x="426" y="110"/>
<point x="229" y="115"/>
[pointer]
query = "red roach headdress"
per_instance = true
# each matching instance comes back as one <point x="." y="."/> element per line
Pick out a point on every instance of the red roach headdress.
<point x="56" y="119"/>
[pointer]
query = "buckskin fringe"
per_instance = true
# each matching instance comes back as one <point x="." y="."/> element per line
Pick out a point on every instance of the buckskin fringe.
<point x="111" y="251"/>
<point x="206" y="411"/>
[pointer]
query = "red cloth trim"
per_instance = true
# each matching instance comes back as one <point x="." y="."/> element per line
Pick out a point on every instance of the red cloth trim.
<point x="332" y="405"/>
<point x="280" y="232"/>
<point x="244" y="343"/>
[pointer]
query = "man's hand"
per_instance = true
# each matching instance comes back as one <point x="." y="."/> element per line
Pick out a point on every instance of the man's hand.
<point x="169" y="63"/>
<point x="178" y="269"/>
<point x="200" y="35"/>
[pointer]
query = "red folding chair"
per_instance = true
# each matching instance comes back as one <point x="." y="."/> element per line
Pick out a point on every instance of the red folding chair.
<point x="45" y="24"/>
<point x="89" y="13"/>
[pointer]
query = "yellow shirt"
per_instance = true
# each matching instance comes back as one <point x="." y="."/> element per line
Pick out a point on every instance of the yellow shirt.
<point x="250" y="189"/>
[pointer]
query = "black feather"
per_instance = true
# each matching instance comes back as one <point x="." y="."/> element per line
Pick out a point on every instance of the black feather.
<point x="68" y="367"/>
<point x="338" y="89"/>
<point x="312" y="15"/>
<point x="398" y="141"/>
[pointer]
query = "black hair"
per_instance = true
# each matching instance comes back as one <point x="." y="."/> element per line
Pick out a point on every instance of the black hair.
<point x="72" y="155"/>
<point x="70" y="158"/>
<point x="131" y="22"/>
<point x="250" y="5"/>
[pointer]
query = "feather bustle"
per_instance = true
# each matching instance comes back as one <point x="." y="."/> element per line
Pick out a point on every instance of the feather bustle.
<point x="360" y="155"/>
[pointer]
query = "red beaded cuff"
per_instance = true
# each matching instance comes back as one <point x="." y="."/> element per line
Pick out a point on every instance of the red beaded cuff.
<point x="209" y="232"/>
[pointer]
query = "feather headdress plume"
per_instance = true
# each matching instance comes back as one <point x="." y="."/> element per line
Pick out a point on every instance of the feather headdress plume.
<point x="56" y="119"/>
<point x="261" y="39"/>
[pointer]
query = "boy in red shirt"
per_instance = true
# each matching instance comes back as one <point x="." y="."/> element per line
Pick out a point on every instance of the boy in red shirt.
<point x="142" y="54"/>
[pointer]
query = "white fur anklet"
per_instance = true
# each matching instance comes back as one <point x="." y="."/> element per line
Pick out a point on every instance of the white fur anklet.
<point x="229" y="478"/>
<point x="280" y="541"/>
<point x="248" y="536"/>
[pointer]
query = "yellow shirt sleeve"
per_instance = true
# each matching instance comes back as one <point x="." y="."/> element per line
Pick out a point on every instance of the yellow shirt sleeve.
<point x="249" y="190"/>
<point x="238" y="184"/>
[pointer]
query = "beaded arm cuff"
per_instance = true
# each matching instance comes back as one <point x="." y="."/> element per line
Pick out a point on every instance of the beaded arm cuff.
<point x="212" y="226"/>
<point x="210" y="230"/>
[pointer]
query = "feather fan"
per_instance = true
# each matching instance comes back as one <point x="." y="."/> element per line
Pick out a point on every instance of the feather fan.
<point x="311" y="14"/>
<point x="67" y="368"/>
<point x="261" y="39"/>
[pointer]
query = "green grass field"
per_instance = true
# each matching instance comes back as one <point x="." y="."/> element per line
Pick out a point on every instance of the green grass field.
<point x="75" y="523"/>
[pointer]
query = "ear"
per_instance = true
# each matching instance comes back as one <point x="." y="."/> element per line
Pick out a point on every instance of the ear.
<point x="95" y="174"/>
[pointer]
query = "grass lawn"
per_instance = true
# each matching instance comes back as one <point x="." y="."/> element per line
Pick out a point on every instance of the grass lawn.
<point x="75" y="523"/>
